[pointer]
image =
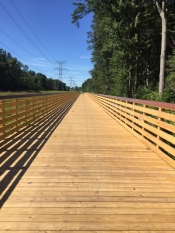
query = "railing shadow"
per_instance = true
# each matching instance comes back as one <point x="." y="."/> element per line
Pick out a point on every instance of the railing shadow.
<point x="18" y="153"/>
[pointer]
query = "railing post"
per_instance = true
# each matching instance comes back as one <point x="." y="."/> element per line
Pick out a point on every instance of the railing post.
<point x="15" y="127"/>
<point x="133" y="116"/>
<point x="143" y="121"/>
<point x="158" y="127"/>
<point x="2" y="120"/>
<point x="125" y="112"/>
<point x="147" y="121"/>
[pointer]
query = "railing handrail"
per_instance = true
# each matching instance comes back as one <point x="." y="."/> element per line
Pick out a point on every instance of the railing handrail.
<point x="30" y="95"/>
<point x="19" y="112"/>
<point x="150" y="121"/>
<point x="144" y="102"/>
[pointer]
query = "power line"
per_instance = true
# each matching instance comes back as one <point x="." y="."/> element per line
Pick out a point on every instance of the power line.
<point x="17" y="43"/>
<point x="22" y="48"/>
<point x="43" y="21"/>
<point x="18" y="55"/>
<point x="12" y="18"/>
<point x="17" y="10"/>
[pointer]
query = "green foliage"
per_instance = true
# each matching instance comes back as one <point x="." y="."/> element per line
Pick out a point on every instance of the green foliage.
<point x="14" y="76"/>
<point x="125" y="41"/>
<point x="87" y="86"/>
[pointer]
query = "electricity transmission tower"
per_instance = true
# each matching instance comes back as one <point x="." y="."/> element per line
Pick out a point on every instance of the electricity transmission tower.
<point x="74" y="84"/>
<point x="60" y="74"/>
<point x="71" y="82"/>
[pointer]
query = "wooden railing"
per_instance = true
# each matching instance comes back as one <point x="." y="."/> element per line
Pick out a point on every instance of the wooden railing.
<point x="18" y="113"/>
<point x="152" y="122"/>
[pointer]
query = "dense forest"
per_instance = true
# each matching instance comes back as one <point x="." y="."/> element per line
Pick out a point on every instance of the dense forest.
<point x="126" y="40"/>
<point x="14" y="76"/>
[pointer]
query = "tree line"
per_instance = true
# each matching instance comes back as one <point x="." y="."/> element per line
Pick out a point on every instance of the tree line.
<point x="15" y="76"/>
<point x="127" y="40"/>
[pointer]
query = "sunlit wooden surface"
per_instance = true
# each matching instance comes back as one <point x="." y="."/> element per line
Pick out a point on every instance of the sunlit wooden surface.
<point x="151" y="122"/>
<point x="92" y="175"/>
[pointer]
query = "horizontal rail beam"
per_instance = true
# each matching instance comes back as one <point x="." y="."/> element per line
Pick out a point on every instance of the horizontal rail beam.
<point x="139" y="101"/>
<point x="18" y="113"/>
<point x="27" y="95"/>
<point x="152" y="122"/>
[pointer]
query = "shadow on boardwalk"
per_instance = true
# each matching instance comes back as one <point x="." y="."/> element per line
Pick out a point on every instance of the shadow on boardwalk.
<point x="17" y="153"/>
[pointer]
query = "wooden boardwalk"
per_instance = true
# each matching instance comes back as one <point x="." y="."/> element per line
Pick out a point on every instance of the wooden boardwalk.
<point x="92" y="176"/>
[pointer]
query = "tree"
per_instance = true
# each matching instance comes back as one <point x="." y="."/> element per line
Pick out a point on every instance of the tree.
<point x="125" y="42"/>
<point x="15" y="76"/>
<point x="162" y="11"/>
<point x="87" y="86"/>
<point x="3" y="69"/>
<point x="14" y="73"/>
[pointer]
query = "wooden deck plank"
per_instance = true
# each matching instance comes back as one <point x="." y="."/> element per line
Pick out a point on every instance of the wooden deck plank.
<point x="90" y="231"/>
<point x="93" y="210"/>
<point x="89" y="217"/>
<point x="92" y="176"/>
<point x="88" y="226"/>
<point x="92" y="204"/>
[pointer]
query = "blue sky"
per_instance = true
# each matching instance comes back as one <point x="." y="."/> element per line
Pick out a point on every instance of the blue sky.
<point x="49" y="36"/>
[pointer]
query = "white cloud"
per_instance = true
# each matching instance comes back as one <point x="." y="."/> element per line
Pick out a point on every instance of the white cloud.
<point x="79" y="68"/>
<point x="84" y="57"/>
<point x="39" y="58"/>
<point x="73" y="72"/>
<point x="40" y="62"/>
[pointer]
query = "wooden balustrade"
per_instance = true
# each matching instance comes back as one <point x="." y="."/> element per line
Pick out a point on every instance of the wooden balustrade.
<point x="152" y="122"/>
<point x="18" y="113"/>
